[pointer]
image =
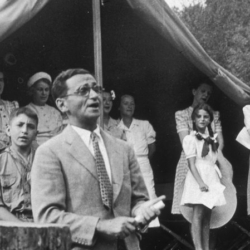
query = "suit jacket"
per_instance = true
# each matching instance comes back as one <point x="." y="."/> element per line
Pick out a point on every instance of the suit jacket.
<point x="65" y="188"/>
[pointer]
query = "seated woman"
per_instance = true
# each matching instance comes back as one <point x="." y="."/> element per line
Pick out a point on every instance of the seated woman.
<point x="6" y="108"/>
<point x="110" y="124"/>
<point x="50" y="119"/>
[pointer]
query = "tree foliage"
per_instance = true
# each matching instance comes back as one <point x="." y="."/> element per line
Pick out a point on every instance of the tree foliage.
<point x="223" y="29"/>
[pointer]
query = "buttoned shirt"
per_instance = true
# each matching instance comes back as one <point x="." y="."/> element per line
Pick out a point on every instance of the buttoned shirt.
<point x="85" y="135"/>
<point x="15" y="181"/>
<point x="139" y="135"/>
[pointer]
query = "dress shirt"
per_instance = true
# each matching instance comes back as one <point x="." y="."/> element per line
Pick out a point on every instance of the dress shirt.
<point x="139" y="135"/>
<point x="85" y="135"/>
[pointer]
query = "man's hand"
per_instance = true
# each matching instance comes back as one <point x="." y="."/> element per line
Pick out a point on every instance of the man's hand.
<point x="117" y="228"/>
<point x="149" y="210"/>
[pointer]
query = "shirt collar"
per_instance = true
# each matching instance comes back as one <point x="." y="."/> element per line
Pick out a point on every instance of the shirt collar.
<point x="85" y="134"/>
<point x="133" y="123"/>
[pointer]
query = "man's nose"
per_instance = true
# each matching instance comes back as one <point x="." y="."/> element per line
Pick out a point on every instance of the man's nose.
<point x="24" y="129"/>
<point x="92" y="93"/>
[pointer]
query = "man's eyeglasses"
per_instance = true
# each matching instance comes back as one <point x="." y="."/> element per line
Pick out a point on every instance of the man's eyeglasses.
<point x="85" y="90"/>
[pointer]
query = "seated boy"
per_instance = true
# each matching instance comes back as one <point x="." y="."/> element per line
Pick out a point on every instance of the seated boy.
<point x="15" y="166"/>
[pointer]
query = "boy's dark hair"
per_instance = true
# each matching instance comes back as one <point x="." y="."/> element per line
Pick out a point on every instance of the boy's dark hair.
<point x="24" y="110"/>
<point x="59" y="85"/>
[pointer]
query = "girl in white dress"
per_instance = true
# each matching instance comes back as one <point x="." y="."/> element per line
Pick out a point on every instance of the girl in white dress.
<point x="202" y="189"/>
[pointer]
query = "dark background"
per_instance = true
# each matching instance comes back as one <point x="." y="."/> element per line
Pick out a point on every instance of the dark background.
<point x="136" y="60"/>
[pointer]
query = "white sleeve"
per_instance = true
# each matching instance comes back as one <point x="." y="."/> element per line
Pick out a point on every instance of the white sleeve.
<point x="189" y="146"/>
<point x="246" y="112"/>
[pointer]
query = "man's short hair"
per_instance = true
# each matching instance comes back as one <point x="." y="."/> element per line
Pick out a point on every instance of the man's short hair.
<point x="24" y="110"/>
<point x="59" y="85"/>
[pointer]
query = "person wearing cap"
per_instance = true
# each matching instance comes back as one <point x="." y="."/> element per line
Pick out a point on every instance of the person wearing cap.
<point x="50" y="119"/>
<point x="6" y="108"/>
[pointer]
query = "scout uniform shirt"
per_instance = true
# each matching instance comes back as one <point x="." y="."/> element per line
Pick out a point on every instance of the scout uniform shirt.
<point x="15" y="183"/>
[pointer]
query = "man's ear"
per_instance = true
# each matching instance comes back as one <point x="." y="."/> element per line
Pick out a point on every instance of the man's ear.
<point x="193" y="92"/>
<point x="8" y="130"/>
<point x="61" y="105"/>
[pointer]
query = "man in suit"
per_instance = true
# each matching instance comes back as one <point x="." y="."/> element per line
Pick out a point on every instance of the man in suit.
<point x="86" y="178"/>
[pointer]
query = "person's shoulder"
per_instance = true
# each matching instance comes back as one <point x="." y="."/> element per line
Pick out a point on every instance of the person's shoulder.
<point x="52" y="144"/>
<point x="4" y="155"/>
<point x="115" y="142"/>
<point x="190" y="137"/>
<point x="13" y="104"/>
<point x="182" y="112"/>
<point x="246" y="108"/>
<point x="53" y="109"/>
<point x="113" y="121"/>
<point x="140" y="122"/>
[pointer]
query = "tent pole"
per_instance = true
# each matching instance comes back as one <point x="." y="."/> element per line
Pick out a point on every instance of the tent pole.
<point x="96" y="6"/>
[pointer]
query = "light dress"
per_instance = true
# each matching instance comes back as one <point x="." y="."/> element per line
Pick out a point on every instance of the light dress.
<point x="209" y="173"/>
<point x="184" y="123"/>
<point x="50" y="122"/>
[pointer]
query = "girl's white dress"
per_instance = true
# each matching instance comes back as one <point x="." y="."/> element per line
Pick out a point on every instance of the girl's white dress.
<point x="209" y="173"/>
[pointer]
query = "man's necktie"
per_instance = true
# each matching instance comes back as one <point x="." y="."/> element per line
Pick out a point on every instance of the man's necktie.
<point x="104" y="182"/>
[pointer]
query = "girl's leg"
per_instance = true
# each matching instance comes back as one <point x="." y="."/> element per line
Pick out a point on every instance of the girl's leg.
<point x="206" y="228"/>
<point x="196" y="227"/>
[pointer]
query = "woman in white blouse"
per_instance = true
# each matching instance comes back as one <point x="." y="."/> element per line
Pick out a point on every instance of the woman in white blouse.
<point x="50" y="120"/>
<point x="141" y="136"/>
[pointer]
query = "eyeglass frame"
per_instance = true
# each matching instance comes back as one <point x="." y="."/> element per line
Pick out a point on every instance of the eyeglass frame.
<point x="78" y="93"/>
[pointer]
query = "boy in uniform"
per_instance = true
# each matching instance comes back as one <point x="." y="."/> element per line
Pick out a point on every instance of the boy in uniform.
<point x="15" y="166"/>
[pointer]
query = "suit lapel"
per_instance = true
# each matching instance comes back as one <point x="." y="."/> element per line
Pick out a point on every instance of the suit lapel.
<point x="79" y="150"/>
<point x="115" y="161"/>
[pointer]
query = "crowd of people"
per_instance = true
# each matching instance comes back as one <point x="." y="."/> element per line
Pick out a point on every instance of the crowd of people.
<point x="59" y="166"/>
<point x="70" y="171"/>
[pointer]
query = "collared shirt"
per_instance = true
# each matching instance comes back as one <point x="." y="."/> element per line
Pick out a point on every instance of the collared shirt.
<point x="15" y="181"/>
<point x="139" y="135"/>
<point x="85" y="135"/>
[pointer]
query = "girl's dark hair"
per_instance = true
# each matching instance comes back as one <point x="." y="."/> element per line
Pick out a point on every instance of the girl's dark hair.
<point x="209" y="110"/>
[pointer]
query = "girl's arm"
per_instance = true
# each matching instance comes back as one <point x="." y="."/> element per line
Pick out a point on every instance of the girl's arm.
<point x="220" y="140"/>
<point x="195" y="173"/>
<point x="218" y="129"/>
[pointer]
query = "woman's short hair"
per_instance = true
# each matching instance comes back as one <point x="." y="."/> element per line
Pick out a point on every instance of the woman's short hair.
<point x="23" y="110"/>
<point x="59" y="86"/>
